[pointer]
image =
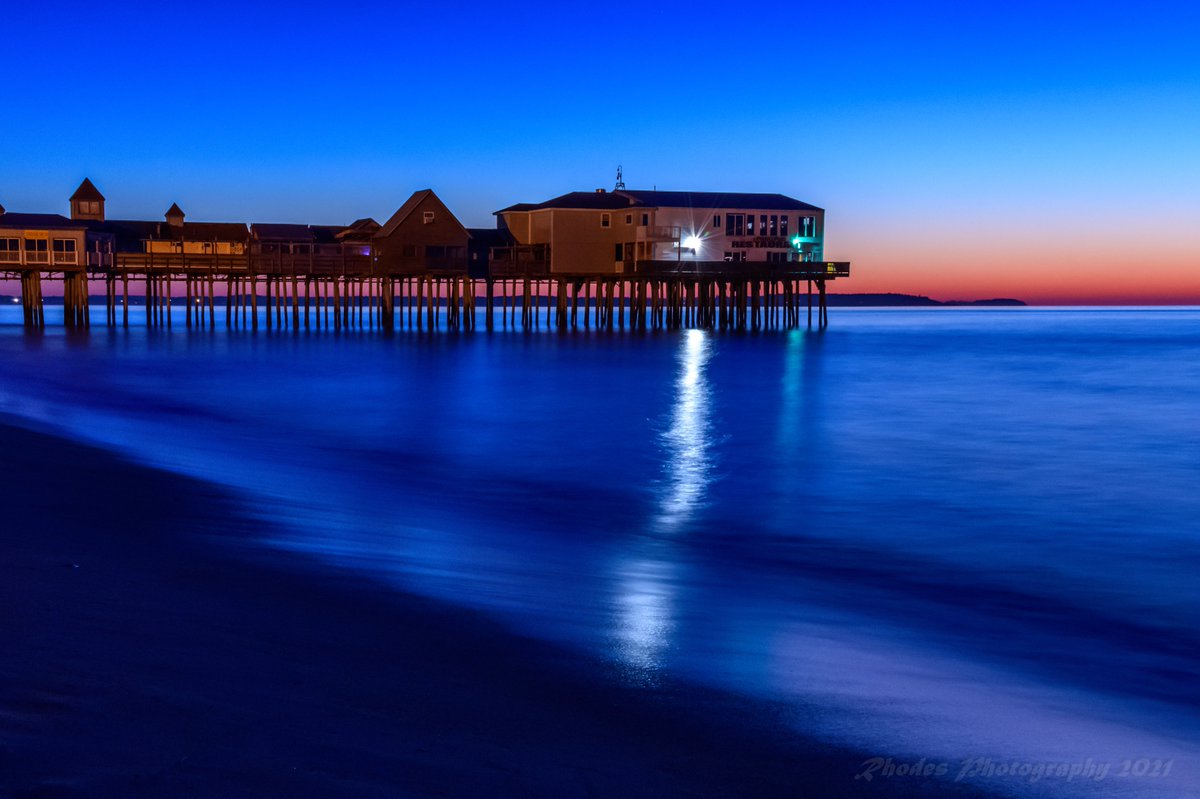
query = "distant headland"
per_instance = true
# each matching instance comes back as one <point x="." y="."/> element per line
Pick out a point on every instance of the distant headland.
<point x="908" y="300"/>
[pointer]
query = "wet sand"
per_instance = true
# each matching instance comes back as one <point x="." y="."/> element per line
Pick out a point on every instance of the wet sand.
<point x="139" y="658"/>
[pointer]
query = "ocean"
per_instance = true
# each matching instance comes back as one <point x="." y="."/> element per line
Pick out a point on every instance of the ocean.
<point x="965" y="538"/>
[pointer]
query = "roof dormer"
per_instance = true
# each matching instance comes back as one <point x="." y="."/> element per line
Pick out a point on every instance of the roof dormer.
<point x="87" y="203"/>
<point x="175" y="215"/>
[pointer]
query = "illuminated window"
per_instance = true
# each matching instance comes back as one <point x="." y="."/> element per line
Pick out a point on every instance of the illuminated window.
<point x="783" y="226"/>
<point x="605" y="220"/>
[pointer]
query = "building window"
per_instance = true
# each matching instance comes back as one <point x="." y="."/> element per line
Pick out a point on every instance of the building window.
<point x="735" y="257"/>
<point x="605" y="220"/>
<point x="783" y="231"/>
<point x="64" y="251"/>
<point x="735" y="224"/>
<point x="10" y="250"/>
<point x="428" y="217"/>
<point x="629" y="219"/>
<point x="717" y="222"/>
<point x="620" y="252"/>
<point x="408" y="251"/>
<point x="645" y="220"/>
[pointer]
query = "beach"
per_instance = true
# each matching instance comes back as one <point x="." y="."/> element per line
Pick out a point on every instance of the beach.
<point x="141" y="659"/>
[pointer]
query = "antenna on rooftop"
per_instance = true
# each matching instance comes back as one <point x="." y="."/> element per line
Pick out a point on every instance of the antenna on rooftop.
<point x="620" y="180"/>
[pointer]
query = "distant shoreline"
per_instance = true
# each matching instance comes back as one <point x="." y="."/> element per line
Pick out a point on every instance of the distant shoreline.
<point x="910" y="300"/>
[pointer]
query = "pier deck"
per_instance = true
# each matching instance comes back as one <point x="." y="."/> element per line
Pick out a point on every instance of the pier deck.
<point x="353" y="290"/>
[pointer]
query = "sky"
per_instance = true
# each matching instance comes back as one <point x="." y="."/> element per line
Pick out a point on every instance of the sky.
<point x="1044" y="151"/>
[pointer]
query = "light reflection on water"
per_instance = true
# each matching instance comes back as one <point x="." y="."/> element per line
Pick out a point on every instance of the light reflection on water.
<point x="648" y="574"/>
<point x="934" y="531"/>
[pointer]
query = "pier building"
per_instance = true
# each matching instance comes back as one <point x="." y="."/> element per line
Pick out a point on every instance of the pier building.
<point x="660" y="259"/>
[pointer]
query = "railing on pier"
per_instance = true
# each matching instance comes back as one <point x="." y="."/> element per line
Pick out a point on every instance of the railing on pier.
<point x="659" y="233"/>
<point x="520" y="260"/>
<point x="744" y="270"/>
<point x="311" y="264"/>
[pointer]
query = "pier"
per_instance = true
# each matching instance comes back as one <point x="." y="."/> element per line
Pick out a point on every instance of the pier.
<point x="350" y="291"/>
<point x="586" y="260"/>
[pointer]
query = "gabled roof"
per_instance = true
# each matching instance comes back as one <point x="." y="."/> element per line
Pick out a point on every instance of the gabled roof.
<point x="205" y="231"/>
<point x="407" y="209"/>
<point x="130" y="233"/>
<point x="281" y="232"/>
<point x="362" y="230"/>
<point x="716" y="200"/>
<point x="174" y="210"/>
<point x="86" y="191"/>
<point x="326" y="234"/>
<point x="623" y="199"/>
<point x="403" y="212"/>
<point x="586" y="200"/>
<point x="485" y="237"/>
<point x="35" y="221"/>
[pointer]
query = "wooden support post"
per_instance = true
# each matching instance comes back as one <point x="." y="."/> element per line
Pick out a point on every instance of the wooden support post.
<point x="490" y="288"/>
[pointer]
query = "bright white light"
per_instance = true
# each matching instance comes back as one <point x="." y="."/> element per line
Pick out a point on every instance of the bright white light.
<point x="692" y="243"/>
